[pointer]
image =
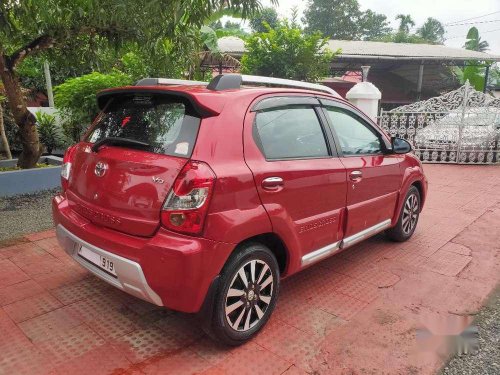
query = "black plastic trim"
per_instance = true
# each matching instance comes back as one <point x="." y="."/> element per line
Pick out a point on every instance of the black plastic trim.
<point x="206" y="312"/>
<point x="283" y="101"/>
<point x="147" y="82"/>
<point x="225" y="82"/>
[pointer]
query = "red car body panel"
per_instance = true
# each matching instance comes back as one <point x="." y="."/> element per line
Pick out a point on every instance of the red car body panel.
<point x="124" y="197"/>
<point x="319" y="204"/>
<point x="372" y="199"/>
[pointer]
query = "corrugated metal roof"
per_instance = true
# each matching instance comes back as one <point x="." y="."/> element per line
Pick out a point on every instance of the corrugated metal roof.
<point x="378" y="50"/>
<point x="351" y="48"/>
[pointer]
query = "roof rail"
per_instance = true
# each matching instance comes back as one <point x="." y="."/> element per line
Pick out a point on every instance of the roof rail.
<point x="168" y="82"/>
<point x="234" y="81"/>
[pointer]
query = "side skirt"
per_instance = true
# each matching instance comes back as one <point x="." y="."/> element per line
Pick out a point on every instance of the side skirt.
<point x="336" y="247"/>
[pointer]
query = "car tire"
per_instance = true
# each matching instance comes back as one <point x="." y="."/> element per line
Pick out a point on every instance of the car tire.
<point x="408" y="217"/>
<point x="246" y="296"/>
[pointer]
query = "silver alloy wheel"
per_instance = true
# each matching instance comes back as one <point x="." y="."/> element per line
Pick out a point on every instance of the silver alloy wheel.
<point x="249" y="295"/>
<point x="410" y="213"/>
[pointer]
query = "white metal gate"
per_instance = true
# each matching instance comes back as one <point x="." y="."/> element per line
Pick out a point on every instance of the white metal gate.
<point x="462" y="126"/>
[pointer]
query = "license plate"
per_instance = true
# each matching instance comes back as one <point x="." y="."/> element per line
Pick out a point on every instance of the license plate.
<point x="98" y="260"/>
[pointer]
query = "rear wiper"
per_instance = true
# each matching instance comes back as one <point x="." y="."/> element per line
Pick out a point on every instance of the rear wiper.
<point x="119" y="142"/>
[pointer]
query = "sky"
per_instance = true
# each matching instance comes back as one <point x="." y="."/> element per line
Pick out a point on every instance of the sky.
<point x="446" y="11"/>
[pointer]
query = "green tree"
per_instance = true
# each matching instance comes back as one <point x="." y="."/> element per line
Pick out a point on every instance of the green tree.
<point x="76" y="99"/>
<point x="294" y="17"/>
<point x="432" y="31"/>
<point x="474" y="41"/>
<point x="405" y="23"/>
<point x="287" y="52"/>
<point x="403" y="35"/>
<point x="374" y="25"/>
<point x="474" y="71"/>
<point x="336" y="19"/>
<point x="266" y="17"/>
<point x="30" y="26"/>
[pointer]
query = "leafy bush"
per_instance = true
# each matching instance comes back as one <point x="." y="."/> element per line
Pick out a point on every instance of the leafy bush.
<point x="50" y="133"/>
<point x="286" y="52"/>
<point x="76" y="99"/>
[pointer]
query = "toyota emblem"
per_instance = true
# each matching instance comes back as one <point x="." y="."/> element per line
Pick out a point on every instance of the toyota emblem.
<point x="100" y="169"/>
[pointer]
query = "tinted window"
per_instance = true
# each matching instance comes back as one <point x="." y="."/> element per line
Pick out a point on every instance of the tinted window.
<point x="290" y="132"/>
<point x="356" y="137"/>
<point x="162" y="122"/>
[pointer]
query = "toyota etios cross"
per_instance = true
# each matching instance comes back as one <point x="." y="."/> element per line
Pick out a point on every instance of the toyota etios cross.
<point x="200" y="198"/>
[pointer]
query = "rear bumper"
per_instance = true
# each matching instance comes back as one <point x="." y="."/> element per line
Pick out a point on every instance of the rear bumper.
<point x="130" y="277"/>
<point x="168" y="269"/>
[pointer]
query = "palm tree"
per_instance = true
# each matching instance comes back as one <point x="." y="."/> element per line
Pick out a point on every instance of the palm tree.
<point x="432" y="31"/>
<point x="474" y="42"/>
<point x="405" y="23"/>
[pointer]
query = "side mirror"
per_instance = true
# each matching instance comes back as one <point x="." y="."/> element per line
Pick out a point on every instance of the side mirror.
<point x="400" y="146"/>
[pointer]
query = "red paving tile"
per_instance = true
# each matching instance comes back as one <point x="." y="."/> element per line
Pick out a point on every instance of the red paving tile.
<point x="67" y="345"/>
<point x="295" y="346"/>
<point x="19" y="291"/>
<point x="184" y="363"/>
<point x="98" y="360"/>
<point x="52" y="324"/>
<point x="253" y="359"/>
<point x="356" y="312"/>
<point x="10" y="274"/>
<point x="447" y="263"/>
<point x="90" y="286"/>
<point x="146" y="343"/>
<point x="306" y="317"/>
<point x="31" y="307"/>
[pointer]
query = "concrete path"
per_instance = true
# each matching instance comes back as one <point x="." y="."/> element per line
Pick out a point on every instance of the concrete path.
<point x="380" y="307"/>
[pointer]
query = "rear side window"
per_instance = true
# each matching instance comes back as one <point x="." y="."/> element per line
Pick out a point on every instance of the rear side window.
<point x="166" y="124"/>
<point x="290" y="133"/>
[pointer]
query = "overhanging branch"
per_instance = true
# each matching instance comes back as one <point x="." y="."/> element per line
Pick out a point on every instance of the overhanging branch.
<point x="38" y="44"/>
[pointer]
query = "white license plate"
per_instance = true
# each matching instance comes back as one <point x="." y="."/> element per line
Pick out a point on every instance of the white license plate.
<point x="98" y="260"/>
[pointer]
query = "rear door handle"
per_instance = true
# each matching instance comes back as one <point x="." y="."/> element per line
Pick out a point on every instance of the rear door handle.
<point x="272" y="183"/>
<point x="356" y="175"/>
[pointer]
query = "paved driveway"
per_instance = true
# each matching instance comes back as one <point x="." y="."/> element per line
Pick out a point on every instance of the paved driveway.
<point x="358" y="312"/>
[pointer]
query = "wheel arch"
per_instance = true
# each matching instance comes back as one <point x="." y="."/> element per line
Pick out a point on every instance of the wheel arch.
<point x="274" y="243"/>
<point x="420" y="188"/>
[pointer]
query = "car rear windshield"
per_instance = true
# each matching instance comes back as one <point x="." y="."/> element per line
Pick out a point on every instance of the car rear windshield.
<point x="167" y="124"/>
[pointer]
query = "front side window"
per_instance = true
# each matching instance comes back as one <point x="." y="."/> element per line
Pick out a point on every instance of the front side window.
<point x="291" y="132"/>
<point x="356" y="137"/>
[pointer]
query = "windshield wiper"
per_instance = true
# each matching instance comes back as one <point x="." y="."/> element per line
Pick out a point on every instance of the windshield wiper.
<point x="119" y="142"/>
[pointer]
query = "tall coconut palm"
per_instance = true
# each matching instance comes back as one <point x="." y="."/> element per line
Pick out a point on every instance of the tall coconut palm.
<point x="405" y="23"/>
<point x="432" y="30"/>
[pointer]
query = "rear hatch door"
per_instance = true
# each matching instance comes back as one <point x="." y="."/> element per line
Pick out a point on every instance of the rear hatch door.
<point x="123" y="170"/>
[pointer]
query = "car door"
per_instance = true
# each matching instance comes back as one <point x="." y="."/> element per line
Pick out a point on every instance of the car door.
<point x="299" y="178"/>
<point x="373" y="173"/>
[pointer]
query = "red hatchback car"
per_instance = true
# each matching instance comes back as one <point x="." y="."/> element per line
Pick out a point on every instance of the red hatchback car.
<point x="200" y="198"/>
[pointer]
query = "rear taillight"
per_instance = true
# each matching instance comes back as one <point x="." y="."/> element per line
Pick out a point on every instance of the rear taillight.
<point x="66" y="167"/>
<point x="186" y="205"/>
